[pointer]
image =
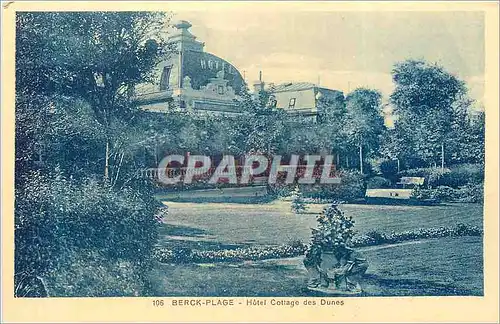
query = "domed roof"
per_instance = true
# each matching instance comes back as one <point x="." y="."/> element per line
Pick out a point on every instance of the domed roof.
<point x="203" y="66"/>
<point x="200" y="66"/>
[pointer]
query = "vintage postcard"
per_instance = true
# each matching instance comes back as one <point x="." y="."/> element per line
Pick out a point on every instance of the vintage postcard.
<point x="171" y="162"/>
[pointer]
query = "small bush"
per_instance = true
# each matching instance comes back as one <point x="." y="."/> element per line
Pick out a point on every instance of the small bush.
<point x="298" y="205"/>
<point x="464" y="174"/>
<point x="352" y="186"/>
<point x="389" y="169"/>
<point x="377" y="183"/>
<point x="279" y="190"/>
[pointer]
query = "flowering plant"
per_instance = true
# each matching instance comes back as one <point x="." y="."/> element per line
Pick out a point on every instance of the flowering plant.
<point x="335" y="231"/>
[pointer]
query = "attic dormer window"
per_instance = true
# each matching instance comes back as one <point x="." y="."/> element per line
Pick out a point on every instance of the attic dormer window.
<point x="291" y="104"/>
<point x="165" y="76"/>
<point x="220" y="89"/>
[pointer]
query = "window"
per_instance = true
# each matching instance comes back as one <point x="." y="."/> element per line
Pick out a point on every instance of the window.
<point x="203" y="64"/>
<point x="182" y="104"/>
<point x="291" y="104"/>
<point x="229" y="69"/>
<point x="165" y="76"/>
<point x="216" y="65"/>
<point x="210" y="64"/>
<point x="220" y="89"/>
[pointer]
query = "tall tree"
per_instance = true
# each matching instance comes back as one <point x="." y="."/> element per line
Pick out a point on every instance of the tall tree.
<point x="423" y="100"/>
<point x="364" y="122"/>
<point x="95" y="56"/>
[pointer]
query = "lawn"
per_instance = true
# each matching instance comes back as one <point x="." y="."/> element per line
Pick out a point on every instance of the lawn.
<point x="213" y="225"/>
<point x="446" y="266"/>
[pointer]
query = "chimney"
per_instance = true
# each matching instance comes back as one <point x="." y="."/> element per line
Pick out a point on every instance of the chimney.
<point x="258" y="86"/>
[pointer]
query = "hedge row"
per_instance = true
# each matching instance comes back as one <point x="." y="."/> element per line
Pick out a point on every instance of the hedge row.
<point x="471" y="193"/>
<point x="455" y="176"/>
<point x="376" y="238"/>
<point x="185" y="255"/>
<point x="373" y="238"/>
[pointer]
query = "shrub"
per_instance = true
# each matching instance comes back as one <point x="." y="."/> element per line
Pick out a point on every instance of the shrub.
<point x="334" y="232"/>
<point x="389" y="169"/>
<point x="298" y="206"/>
<point x="279" y="190"/>
<point x="378" y="182"/>
<point x="91" y="275"/>
<point x="376" y="238"/>
<point x="463" y="174"/>
<point x="470" y="193"/>
<point x="455" y="176"/>
<point x="59" y="222"/>
<point x="351" y="187"/>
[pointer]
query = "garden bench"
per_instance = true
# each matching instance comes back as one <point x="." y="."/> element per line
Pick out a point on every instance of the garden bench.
<point x="415" y="181"/>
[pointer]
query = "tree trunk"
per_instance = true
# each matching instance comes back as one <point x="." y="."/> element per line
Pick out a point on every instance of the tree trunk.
<point x="106" y="162"/>
<point x="156" y="153"/>
<point x="361" y="158"/>
<point x="442" y="155"/>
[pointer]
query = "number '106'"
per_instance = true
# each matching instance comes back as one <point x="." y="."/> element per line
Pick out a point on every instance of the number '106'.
<point x="158" y="302"/>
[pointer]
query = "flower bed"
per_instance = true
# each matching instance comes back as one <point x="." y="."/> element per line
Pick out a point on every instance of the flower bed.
<point x="372" y="238"/>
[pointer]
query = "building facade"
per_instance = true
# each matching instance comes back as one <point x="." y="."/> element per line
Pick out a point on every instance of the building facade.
<point x="191" y="79"/>
<point x="303" y="98"/>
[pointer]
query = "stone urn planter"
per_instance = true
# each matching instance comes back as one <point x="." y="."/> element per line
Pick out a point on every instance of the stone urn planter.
<point x="337" y="275"/>
<point x="333" y="266"/>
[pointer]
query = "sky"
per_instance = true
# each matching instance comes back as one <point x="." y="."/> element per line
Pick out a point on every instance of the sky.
<point x="342" y="50"/>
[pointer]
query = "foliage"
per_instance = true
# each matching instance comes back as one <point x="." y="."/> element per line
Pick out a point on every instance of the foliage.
<point x="455" y="176"/>
<point x="75" y="73"/>
<point x="389" y="169"/>
<point x="364" y="122"/>
<point x="351" y="187"/>
<point x="431" y="107"/>
<point x="376" y="238"/>
<point x="59" y="221"/>
<point x="297" y="205"/>
<point x="97" y="57"/>
<point x="378" y="182"/>
<point x="433" y="176"/>
<point x="334" y="233"/>
<point x="91" y="275"/>
<point x="464" y="174"/>
<point x="470" y="193"/>
<point x="233" y="255"/>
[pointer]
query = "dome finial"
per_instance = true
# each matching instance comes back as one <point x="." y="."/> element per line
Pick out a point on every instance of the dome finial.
<point x="182" y="24"/>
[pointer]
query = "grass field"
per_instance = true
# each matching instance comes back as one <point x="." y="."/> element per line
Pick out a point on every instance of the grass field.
<point x="449" y="266"/>
<point x="446" y="266"/>
<point x="211" y="225"/>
